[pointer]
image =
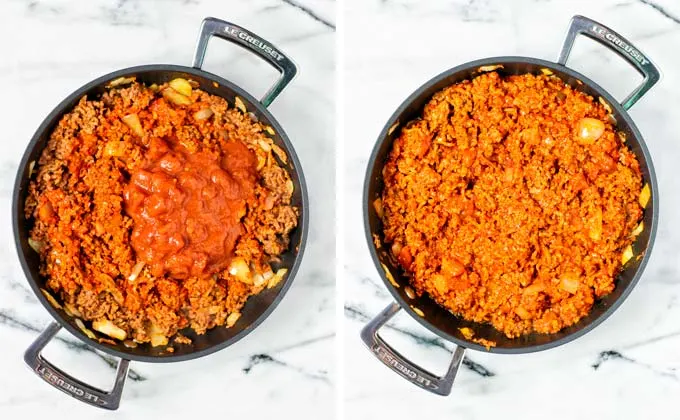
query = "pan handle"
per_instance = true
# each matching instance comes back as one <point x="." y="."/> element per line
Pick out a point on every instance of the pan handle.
<point x="618" y="44"/>
<point x="68" y="384"/>
<point x="248" y="40"/>
<point x="401" y="365"/>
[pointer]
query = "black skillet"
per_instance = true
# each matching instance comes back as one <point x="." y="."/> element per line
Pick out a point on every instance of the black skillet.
<point x="257" y="308"/>
<point x="434" y="317"/>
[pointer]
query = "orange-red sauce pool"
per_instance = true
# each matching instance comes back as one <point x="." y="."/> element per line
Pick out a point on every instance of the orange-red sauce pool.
<point x="187" y="207"/>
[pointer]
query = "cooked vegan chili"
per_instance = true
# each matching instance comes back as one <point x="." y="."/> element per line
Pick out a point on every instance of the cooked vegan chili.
<point x="156" y="208"/>
<point x="512" y="201"/>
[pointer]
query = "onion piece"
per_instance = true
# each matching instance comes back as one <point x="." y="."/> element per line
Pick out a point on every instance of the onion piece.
<point x="121" y="81"/>
<point x="181" y="85"/>
<point x="523" y="313"/>
<point x="595" y="230"/>
<point x="37" y="246"/>
<point x="280" y="273"/>
<point x="175" y="97"/>
<point x="258" y="280"/>
<point x="638" y="229"/>
<point x="71" y="310"/>
<point x="31" y="166"/>
<point x="467" y="332"/>
<point x="107" y="327"/>
<point x="157" y="336"/>
<point x="239" y="269"/>
<point x="158" y="340"/>
<point x="627" y="254"/>
<point x="569" y="283"/>
<point x="269" y="130"/>
<point x="232" y="318"/>
<point x="418" y="311"/>
<point x="588" y="130"/>
<point x="645" y="195"/>
<point x="484" y="69"/>
<point x="51" y="299"/>
<point x="280" y="153"/>
<point x="132" y="121"/>
<point x="135" y="271"/>
<point x="203" y="114"/>
<point x="377" y="205"/>
<point x="264" y="145"/>
<point x="81" y="325"/>
<point x="240" y="105"/>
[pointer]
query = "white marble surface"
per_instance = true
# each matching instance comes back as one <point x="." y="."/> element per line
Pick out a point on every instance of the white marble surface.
<point x="285" y="367"/>
<point x="628" y="367"/>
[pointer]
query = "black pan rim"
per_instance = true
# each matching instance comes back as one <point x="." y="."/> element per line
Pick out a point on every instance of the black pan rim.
<point x="62" y="108"/>
<point x="414" y="96"/>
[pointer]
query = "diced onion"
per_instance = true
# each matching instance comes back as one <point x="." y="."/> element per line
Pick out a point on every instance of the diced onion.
<point x="84" y="329"/>
<point x="569" y="283"/>
<point x="280" y="153"/>
<point x="37" y="246"/>
<point x="203" y="114"/>
<point x="181" y="85"/>
<point x="132" y="121"/>
<point x="136" y="270"/>
<point x="114" y="148"/>
<point x="270" y="130"/>
<point x="589" y="130"/>
<point x="239" y="269"/>
<point x="645" y="194"/>
<point x="107" y="327"/>
<point x="264" y="145"/>
<point x="276" y="278"/>
<point x="158" y="340"/>
<point x="258" y="280"/>
<point x="627" y="254"/>
<point x="377" y="205"/>
<point x="240" y="105"/>
<point x="31" y="166"/>
<point x="490" y="68"/>
<point x="418" y="311"/>
<point x="175" y="97"/>
<point x="595" y="231"/>
<point x="232" y="318"/>
<point x="467" y="332"/>
<point x="533" y="288"/>
<point x="523" y="313"/>
<point x="121" y="81"/>
<point x="157" y="336"/>
<point x="389" y="276"/>
<point x="71" y="310"/>
<point x="51" y="299"/>
<point x="638" y="230"/>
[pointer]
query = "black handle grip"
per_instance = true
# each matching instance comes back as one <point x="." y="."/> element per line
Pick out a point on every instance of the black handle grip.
<point x="68" y="384"/>
<point x="250" y="41"/>
<point x="440" y="385"/>
<point x="618" y="44"/>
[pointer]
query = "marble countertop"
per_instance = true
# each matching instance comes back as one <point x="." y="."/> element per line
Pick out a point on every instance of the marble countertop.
<point x="626" y="368"/>
<point x="285" y="366"/>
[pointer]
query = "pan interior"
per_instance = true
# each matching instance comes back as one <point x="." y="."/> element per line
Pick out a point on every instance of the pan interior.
<point x="257" y="307"/>
<point x="438" y="319"/>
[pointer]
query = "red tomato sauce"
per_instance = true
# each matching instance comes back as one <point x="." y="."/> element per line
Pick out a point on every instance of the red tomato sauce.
<point x="187" y="207"/>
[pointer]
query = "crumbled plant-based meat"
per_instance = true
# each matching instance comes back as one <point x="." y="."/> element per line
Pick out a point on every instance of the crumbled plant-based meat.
<point x="510" y="202"/>
<point x="82" y="227"/>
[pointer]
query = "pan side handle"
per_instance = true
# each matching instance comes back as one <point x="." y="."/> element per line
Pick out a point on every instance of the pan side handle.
<point x="248" y="40"/>
<point x="581" y="25"/>
<point x="440" y="385"/>
<point x="66" y="383"/>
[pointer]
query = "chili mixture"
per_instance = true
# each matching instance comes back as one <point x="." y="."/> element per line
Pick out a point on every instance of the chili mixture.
<point x="512" y="201"/>
<point x="157" y="208"/>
